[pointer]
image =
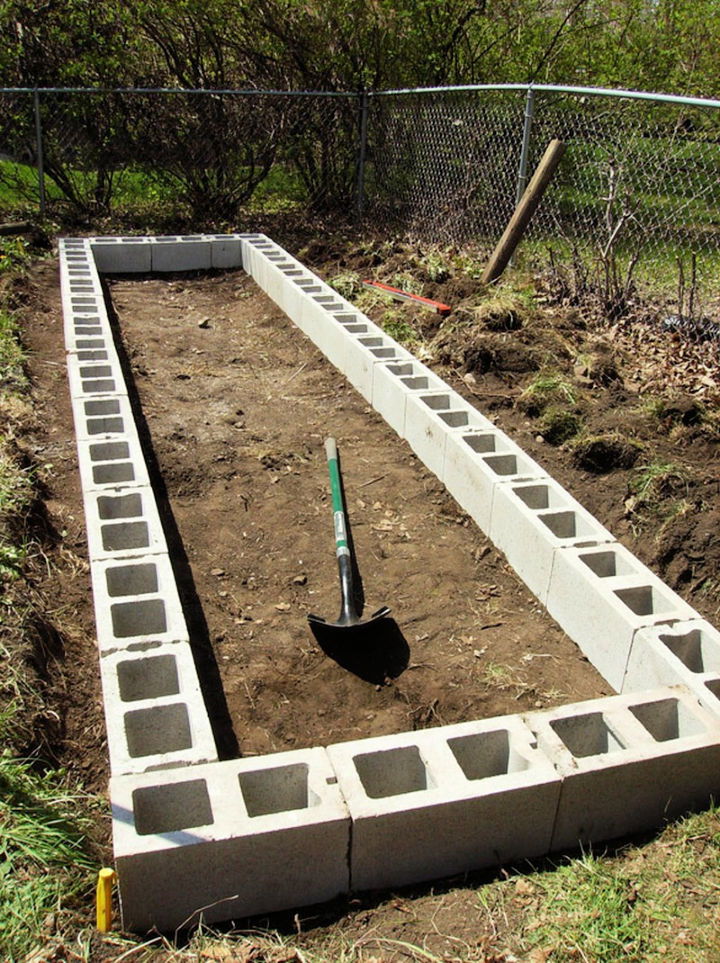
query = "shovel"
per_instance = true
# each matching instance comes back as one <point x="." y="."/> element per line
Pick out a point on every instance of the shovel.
<point x="348" y="618"/>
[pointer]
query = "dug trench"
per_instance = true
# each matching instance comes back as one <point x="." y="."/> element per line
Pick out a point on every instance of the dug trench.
<point x="234" y="404"/>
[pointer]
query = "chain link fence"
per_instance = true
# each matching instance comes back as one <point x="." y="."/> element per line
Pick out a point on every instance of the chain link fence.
<point x="635" y="204"/>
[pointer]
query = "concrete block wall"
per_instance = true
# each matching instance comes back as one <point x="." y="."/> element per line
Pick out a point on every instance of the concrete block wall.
<point x="197" y="837"/>
<point x="137" y="608"/>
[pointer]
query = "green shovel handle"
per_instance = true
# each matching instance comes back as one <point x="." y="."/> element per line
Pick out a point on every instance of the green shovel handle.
<point x="341" y="541"/>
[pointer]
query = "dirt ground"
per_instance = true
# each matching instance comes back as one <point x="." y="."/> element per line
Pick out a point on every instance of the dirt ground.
<point x="234" y="404"/>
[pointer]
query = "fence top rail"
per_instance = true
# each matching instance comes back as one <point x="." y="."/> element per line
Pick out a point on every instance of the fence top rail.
<point x="405" y="91"/>
<point x="557" y="89"/>
<point x="250" y="92"/>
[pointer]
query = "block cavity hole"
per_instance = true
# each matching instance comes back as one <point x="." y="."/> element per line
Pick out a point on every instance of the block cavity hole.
<point x="606" y="564"/>
<point x="393" y="772"/>
<point x="643" y="600"/>
<point x="486" y="754"/>
<point x="277" y="790"/>
<point x="696" y="652"/>
<point x="157" y="730"/>
<point x="148" y="678"/>
<point x="667" y="719"/>
<point x="587" y="735"/>
<point x="169" y="808"/>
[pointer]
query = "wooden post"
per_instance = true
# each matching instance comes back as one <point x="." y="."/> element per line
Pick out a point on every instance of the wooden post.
<point x="518" y="223"/>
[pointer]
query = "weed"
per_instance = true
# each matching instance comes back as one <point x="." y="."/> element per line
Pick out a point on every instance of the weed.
<point x="406" y="282"/>
<point x="348" y="285"/>
<point x="12" y="356"/>
<point x="399" y="329"/>
<point x="46" y="865"/>
<point x="437" y="269"/>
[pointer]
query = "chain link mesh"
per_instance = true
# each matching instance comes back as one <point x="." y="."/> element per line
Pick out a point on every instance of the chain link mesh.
<point x="634" y="205"/>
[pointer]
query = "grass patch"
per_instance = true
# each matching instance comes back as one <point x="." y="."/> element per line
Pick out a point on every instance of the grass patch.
<point x="656" y="902"/>
<point x="45" y="866"/>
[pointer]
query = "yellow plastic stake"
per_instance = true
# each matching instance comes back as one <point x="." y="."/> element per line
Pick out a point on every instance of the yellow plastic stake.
<point x="106" y="878"/>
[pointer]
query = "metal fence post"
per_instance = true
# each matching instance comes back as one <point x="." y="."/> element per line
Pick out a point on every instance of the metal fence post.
<point x="525" y="149"/>
<point x="362" y="152"/>
<point x="39" y="150"/>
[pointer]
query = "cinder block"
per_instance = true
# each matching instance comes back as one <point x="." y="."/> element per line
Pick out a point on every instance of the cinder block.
<point x="362" y="351"/>
<point x="226" y="250"/>
<point x="90" y="378"/>
<point x="122" y="255"/>
<point x="429" y="416"/>
<point x="101" y="418"/>
<point x="476" y="462"/>
<point x="188" y="253"/>
<point x="136" y="603"/>
<point x="123" y="523"/>
<point x="229" y="840"/>
<point x="601" y="596"/>
<point x="154" y="710"/>
<point x="442" y="801"/>
<point x="81" y="326"/>
<point x="110" y="464"/>
<point x="393" y="382"/>
<point x="531" y="520"/>
<point x="686" y="653"/>
<point x="628" y="762"/>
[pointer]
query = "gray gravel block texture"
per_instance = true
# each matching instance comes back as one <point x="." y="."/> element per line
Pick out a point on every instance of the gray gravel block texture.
<point x="394" y="382"/>
<point x="111" y="464"/>
<point x="122" y="255"/>
<point x="229" y="840"/>
<point x="430" y="416"/>
<point x="123" y="523"/>
<point x="188" y="253"/>
<point x="136" y="603"/>
<point x="476" y="462"/>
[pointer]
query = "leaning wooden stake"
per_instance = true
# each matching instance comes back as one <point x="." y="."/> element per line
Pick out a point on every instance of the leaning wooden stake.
<point x="524" y="211"/>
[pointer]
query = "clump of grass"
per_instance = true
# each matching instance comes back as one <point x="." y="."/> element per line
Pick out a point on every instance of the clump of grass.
<point x="406" y="282"/>
<point x="547" y="388"/>
<point x="558" y="425"/>
<point x="655" y="902"/>
<point x="12" y="373"/>
<point x="656" y="481"/>
<point x="501" y="311"/>
<point x="437" y="269"/>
